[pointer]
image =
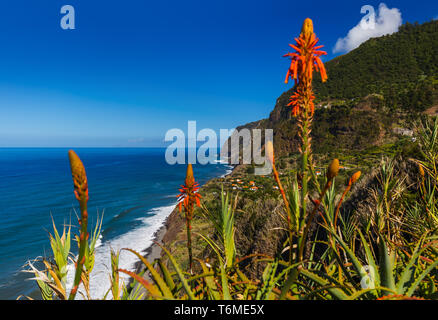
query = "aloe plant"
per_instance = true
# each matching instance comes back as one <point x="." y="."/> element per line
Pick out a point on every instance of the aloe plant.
<point x="392" y="275"/>
<point x="52" y="281"/>
<point x="391" y="253"/>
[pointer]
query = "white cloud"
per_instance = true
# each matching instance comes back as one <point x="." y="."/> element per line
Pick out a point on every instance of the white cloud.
<point x="387" y="21"/>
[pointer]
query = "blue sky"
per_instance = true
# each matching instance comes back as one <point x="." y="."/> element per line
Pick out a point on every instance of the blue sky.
<point x="131" y="70"/>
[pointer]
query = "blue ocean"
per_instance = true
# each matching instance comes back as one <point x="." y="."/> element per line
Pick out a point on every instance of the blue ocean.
<point x="134" y="189"/>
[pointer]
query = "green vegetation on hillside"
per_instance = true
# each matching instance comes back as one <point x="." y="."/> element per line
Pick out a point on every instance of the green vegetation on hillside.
<point x="403" y="67"/>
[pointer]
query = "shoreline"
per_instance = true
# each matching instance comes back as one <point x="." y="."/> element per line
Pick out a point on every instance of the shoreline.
<point x="165" y="234"/>
<point x="171" y="225"/>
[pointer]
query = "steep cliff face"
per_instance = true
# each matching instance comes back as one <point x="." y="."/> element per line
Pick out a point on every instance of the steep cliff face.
<point x="335" y="127"/>
<point x="237" y="149"/>
<point x="280" y="121"/>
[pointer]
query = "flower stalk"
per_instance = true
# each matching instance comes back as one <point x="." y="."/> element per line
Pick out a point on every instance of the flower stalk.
<point x="352" y="180"/>
<point x="81" y="192"/>
<point x="271" y="157"/>
<point x="188" y="198"/>
<point x="304" y="61"/>
<point x="332" y="172"/>
<point x="269" y="150"/>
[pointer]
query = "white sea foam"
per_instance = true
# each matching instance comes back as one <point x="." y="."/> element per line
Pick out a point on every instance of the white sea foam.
<point x="223" y="161"/>
<point x="229" y="170"/>
<point x="138" y="239"/>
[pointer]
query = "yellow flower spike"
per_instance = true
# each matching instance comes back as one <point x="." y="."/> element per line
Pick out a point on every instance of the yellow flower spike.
<point x="190" y="178"/>
<point x="421" y="170"/>
<point x="333" y="169"/>
<point x="79" y="177"/>
<point x="307" y="29"/>
<point x="355" y="177"/>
